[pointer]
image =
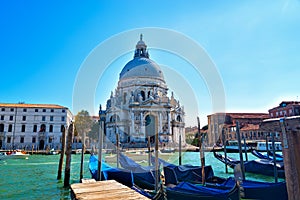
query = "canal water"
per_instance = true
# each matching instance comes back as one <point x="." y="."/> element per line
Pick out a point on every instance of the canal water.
<point x="35" y="178"/>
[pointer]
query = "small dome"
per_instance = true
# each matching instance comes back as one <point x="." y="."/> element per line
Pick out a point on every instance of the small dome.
<point x="141" y="67"/>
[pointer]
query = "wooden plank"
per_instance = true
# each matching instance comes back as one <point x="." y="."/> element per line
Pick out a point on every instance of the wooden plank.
<point x="110" y="189"/>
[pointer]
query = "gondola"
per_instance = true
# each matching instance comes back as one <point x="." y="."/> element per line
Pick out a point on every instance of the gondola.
<point x="267" y="157"/>
<point x="123" y="176"/>
<point x="185" y="190"/>
<point x="259" y="166"/>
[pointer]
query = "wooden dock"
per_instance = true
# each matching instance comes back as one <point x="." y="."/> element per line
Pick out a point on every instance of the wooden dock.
<point x="99" y="190"/>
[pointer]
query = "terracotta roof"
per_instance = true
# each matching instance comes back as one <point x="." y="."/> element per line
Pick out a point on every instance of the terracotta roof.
<point x="244" y="115"/>
<point x="25" y="105"/>
<point x="250" y="127"/>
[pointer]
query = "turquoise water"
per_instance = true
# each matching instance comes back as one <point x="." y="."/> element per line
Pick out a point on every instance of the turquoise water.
<point x="35" y="178"/>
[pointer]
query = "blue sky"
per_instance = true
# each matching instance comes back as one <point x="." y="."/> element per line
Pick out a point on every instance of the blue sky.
<point x="255" y="46"/>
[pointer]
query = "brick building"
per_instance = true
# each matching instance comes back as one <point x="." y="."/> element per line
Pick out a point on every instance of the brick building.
<point x="285" y="109"/>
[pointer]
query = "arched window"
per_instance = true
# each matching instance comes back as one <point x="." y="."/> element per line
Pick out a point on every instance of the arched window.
<point x="178" y="118"/>
<point x="143" y="95"/>
<point x="23" y="128"/>
<point x="1" y="127"/>
<point x="35" y="128"/>
<point x="62" y="128"/>
<point x="10" y="128"/>
<point x="51" y="128"/>
<point x="43" y="128"/>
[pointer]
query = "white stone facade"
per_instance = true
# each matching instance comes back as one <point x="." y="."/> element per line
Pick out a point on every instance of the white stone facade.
<point x="140" y="107"/>
<point x="27" y="126"/>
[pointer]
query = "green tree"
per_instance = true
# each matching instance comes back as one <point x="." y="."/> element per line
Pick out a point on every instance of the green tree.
<point x="94" y="132"/>
<point x="83" y="123"/>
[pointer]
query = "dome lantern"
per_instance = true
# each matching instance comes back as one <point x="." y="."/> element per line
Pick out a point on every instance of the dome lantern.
<point x="141" y="49"/>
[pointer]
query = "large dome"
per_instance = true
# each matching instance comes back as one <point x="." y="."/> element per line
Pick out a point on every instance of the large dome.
<point x="141" y="65"/>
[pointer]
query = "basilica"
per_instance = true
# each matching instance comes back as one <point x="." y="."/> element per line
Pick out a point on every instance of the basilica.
<point x="140" y="107"/>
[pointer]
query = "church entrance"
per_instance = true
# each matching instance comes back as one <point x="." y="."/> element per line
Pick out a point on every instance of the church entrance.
<point x="150" y="127"/>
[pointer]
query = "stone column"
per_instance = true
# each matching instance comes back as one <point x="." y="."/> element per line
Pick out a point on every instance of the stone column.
<point x="132" y="123"/>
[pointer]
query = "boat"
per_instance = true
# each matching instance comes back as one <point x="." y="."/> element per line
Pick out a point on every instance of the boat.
<point x="249" y="189"/>
<point x="123" y="176"/>
<point x="259" y="190"/>
<point x="52" y="152"/>
<point x="233" y="147"/>
<point x="261" y="146"/>
<point x="175" y="174"/>
<point x="267" y="157"/>
<point x="17" y="154"/>
<point x="276" y="154"/>
<point x="144" y="176"/>
<point x="185" y="190"/>
<point x="167" y="150"/>
<point x="259" y="166"/>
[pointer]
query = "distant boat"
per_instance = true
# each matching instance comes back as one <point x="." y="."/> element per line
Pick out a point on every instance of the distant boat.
<point x="259" y="166"/>
<point x="261" y="146"/>
<point x="167" y="150"/>
<point x="233" y="147"/>
<point x="53" y="152"/>
<point x="17" y="154"/>
<point x="3" y="156"/>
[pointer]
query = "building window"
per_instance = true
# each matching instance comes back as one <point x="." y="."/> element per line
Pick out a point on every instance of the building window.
<point x="51" y="128"/>
<point x="12" y="109"/>
<point x="63" y="110"/>
<point x="2" y="109"/>
<point x="22" y="139"/>
<point x="1" y="127"/>
<point x="63" y="119"/>
<point x="2" y="117"/>
<point x="35" y="128"/>
<point x="11" y="118"/>
<point x="43" y="128"/>
<point x="24" y="110"/>
<point x="8" y="139"/>
<point x="271" y="114"/>
<point x="62" y="128"/>
<point x="44" y="110"/>
<point x="291" y="111"/>
<point x="10" y="128"/>
<point x="33" y="139"/>
<point x="43" y="118"/>
<point x="23" y="128"/>
<point x="36" y="110"/>
<point x="51" y="118"/>
<point x="50" y="140"/>
<point x="52" y="110"/>
<point x="276" y="114"/>
<point x="24" y="118"/>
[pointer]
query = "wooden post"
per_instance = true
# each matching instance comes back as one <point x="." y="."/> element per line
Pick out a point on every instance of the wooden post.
<point x="62" y="153"/>
<point x="245" y="149"/>
<point x="32" y="147"/>
<point x="68" y="156"/>
<point x="240" y="149"/>
<point x="101" y="128"/>
<point x="274" y="158"/>
<point x="267" y="145"/>
<point x="149" y="151"/>
<point x="201" y="151"/>
<point x="82" y="157"/>
<point x="179" y="154"/>
<point x="225" y="150"/>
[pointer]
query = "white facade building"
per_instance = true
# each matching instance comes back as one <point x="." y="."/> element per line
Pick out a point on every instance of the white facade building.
<point x="27" y="126"/>
<point x="140" y="107"/>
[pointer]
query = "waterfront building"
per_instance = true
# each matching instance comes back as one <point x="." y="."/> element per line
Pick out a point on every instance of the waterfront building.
<point x="285" y="109"/>
<point x="27" y="126"/>
<point x="226" y="122"/>
<point x="139" y="107"/>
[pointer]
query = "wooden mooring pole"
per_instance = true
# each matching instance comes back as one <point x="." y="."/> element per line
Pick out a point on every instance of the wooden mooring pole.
<point x="240" y="150"/>
<point x="101" y="128"/>
<point x="149" y="151"/>
<point x="179" y="154"/>
<point x="82" y="158"/>
<point x="68" y="156"/>
<point x="225" y="150"/>
<point x="289" y="128"/>
<point x="62" y="153"/>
